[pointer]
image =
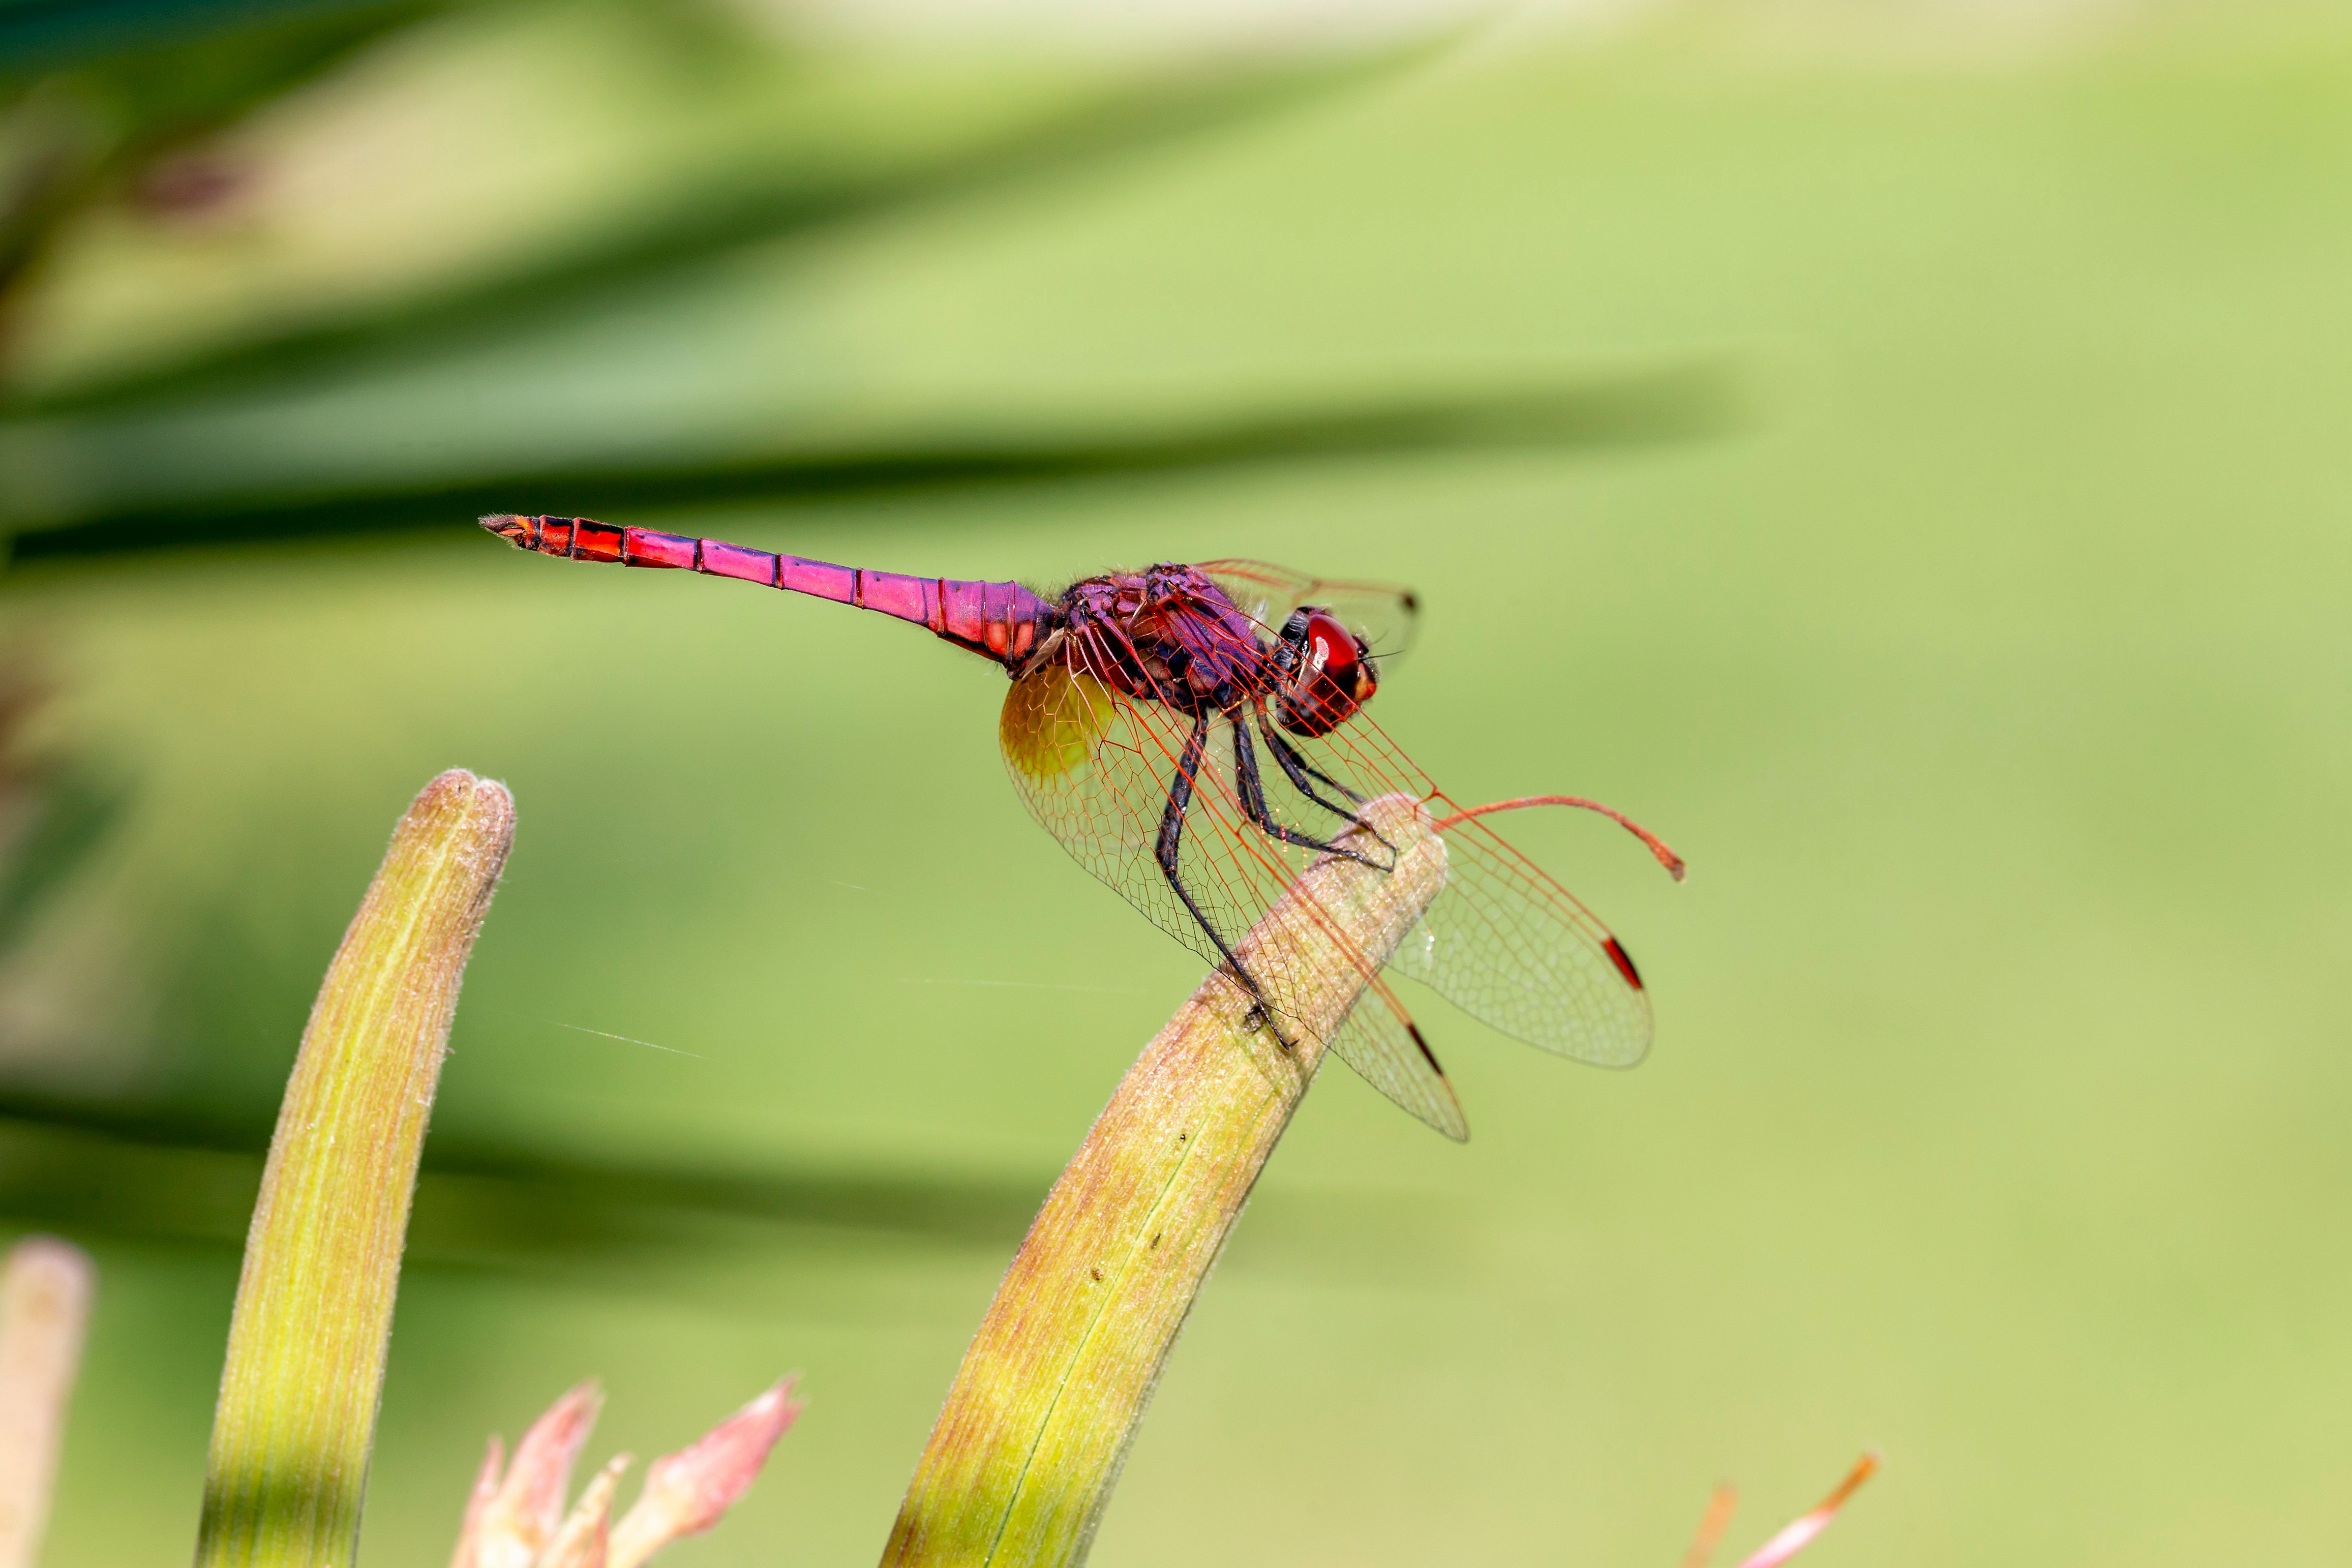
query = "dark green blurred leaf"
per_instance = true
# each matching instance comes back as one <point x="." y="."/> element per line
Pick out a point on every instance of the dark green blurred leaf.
<point x="86" y="133"/>
<point x="170" y="1174"/>
<point x="165" y="87"/>
<point x="1672" y="402"/>
<point x="37" y="35"/>
<point x="54" y="810"/>
<point x="706" y="211"/>
<point x="45" y="836"/>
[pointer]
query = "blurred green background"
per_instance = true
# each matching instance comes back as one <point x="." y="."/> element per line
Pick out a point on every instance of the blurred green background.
<point x="1895" y="450"/>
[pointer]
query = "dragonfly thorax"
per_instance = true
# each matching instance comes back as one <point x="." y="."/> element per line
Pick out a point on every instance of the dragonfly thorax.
<point x="1169" y="635"/>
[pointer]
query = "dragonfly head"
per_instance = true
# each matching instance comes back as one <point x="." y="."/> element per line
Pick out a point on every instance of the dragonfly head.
<point x="1326" y="670"/>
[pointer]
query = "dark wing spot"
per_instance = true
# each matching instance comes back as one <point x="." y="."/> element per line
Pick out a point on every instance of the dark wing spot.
<point x="1624" y="963"/>
<point x="1426" y="1054"/>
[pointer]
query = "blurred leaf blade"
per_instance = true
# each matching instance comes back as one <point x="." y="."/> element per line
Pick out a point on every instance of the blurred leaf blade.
<point x="781" y="172"/>
<point x="56" y="806"/>
<point x="186" y="1176"/>
<point x="45" y="35"/>
<point x="84" y="133"/>
<point x="1672" y="402"/>
<point x="71" y="811"/>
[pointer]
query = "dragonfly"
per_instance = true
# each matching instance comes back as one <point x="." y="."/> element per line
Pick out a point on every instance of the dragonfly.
<point x="1195" y="736"/>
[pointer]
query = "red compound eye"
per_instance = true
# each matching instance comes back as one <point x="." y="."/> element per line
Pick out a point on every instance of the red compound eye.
<point x="1332" y="651"/>
<point x="1334" y="678"/>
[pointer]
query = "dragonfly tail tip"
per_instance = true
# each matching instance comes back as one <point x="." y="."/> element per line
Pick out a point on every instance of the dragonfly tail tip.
<point x="506" y="525"/>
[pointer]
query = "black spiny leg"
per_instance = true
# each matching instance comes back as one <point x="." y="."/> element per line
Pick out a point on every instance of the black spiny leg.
<point x="1303" y="774"/>
<point x="1253" y="805"/>
<point x="1172" y="838"/>
<point x="1300" y="770"/>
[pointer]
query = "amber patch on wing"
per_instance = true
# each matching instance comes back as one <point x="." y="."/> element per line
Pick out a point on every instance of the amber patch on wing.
<point x="1053" y="718"/>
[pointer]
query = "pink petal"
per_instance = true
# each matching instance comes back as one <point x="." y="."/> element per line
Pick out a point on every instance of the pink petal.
<point x="517" y="1523"/>
<point x="581" y="1541"/>
<point x="486" y="1486"/>
<point x="688" y="1491"/>
<point x="1798" y="1536"/>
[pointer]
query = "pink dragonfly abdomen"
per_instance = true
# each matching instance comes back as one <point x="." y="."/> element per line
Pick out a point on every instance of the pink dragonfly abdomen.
<point x="1001" y="620"/>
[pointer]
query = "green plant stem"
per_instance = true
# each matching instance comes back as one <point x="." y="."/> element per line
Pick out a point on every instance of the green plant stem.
<point x="298" y="1393"/>
<point x="1027" y="1450"/>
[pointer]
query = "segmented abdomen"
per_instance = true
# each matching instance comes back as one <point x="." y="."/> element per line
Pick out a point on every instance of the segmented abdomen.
<point x="1001" y="620"/>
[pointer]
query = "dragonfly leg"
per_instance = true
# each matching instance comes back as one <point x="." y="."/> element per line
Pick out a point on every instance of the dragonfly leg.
<point x="1253" y="806"/>
<point x="1301" y="772"/>
<point x="1172" y="839"/>
<point x="1303" y="776"/>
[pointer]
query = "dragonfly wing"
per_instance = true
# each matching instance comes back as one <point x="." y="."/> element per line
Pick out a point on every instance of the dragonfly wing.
<point x="1512" y="948"/>
<point x="1265" y="592"/>
<point x="1386" y="1052"/>
<point x="1094" y="765"/>
<point x="1382" y="614"/>
<point x="1504" y="941"/>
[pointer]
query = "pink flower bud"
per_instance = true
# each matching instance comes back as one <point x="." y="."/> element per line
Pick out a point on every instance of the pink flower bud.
<point x="584" y="1538"/>
<point x="510" y="1523"/>
<point x="688" y="1491"/>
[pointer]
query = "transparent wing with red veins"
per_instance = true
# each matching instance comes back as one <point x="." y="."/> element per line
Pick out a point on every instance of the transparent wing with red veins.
<point x="1512" y="948"/>
<point x="1377" y="1039"/>
<point x="1505" y="942"/>
<point x="1382" y="614"/>
<point x="1094" y="765"/>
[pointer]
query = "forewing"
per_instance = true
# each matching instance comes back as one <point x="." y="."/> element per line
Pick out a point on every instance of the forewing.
<point x="1264" y="592"/>
<point x="1504" y="941"/>
<point x="1382" y="614"/>
<point x="1512" y="948"/>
